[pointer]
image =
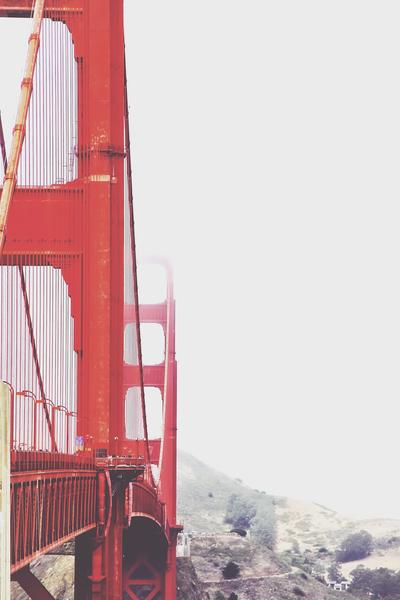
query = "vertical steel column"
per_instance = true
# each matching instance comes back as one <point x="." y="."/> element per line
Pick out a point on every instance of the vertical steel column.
<point x="5" y="412"/>
<point x="114" y="551"/>
<point x="101" y="110"/>
<point x="169" y="475"/>
<point x="103" y="277"/>
<point x="83" y="564"/>
<point x="170" y="573"/>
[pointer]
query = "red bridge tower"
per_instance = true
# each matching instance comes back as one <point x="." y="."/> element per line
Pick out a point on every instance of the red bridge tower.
<point x="68" y="254"/>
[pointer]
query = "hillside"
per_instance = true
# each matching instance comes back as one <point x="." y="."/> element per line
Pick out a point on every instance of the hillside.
<point x="203" y="495"/>
<point x="262" y="575"/>
<point x="306" y="534"/>
<point x="310" y="528"/>
<point x="315" y="525"/>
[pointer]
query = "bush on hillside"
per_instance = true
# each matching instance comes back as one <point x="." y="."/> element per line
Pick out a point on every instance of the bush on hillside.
<point x="258" y="516"/>
<point x="355" y="546"/>
<point x="298" y="591"/>
<point x="263" y="526"/>
<point x="241" y="532"/>
<point x="386" y="543"/>
<point x="231" y="570"/>
<point x="240" y="512"/>
<point x="334" y="573"/>
<point x="378" y="583"/>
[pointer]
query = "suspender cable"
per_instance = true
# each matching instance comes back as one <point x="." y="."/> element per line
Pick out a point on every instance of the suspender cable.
<point x="134" y="269"/>
<point x="29" y="319"/>
<point x="20" y="124"/>
<point x="36" y="358"/>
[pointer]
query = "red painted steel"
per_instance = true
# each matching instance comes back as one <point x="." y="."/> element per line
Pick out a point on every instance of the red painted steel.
<point x="48" y="509"/>
<point x="143" y="581"/>
<point x="145" y="503"/>
<point x="32" y="585"/>
<point x="68" y="268"/>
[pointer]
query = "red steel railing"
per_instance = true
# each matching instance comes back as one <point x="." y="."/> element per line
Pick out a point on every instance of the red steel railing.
<point x="32" y="445"/>
<point x="49" y="510"/>
<point x="145" y="502"/>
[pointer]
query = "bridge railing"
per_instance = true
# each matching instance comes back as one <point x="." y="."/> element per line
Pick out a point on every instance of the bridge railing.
<point x="37" y="444"/>
<point x="145" y="502"/>
<point x="46" y="512"/>
<point x="60" y="502"/>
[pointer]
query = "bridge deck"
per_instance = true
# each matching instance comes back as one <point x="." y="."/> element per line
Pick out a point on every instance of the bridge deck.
<point x="53" y="499"/>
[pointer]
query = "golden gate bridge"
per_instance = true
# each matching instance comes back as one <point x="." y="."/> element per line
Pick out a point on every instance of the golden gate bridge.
<point x="83" y="463"/>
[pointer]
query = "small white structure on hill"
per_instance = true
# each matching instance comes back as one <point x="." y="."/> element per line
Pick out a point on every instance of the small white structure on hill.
<point x="340" y="586"/>
<point x="183" y="545"/>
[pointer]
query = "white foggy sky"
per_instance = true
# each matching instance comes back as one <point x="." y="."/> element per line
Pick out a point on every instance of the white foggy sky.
<point x="266" y="141"/>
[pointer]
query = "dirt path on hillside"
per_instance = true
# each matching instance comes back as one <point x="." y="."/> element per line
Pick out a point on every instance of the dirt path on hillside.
<point x="251" y="579"/>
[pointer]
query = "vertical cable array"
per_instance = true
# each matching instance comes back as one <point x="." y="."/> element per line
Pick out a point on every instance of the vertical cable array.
<point x="37" y="341"/>
<point x="20" y="125"/>
<point x="51" y="124"/>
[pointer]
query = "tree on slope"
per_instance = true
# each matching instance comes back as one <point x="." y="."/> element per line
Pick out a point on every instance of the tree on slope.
<point x="376" y="583"/>
<point x="240" y="511"/>
<point x="334" y="573"/>
<point x="355" y="546"/>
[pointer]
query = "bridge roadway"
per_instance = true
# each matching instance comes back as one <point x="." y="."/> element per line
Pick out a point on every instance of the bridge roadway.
<point x="54" y="505"/>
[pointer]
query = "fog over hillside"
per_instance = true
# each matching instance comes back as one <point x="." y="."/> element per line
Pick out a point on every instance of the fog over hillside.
<point x="204" y="493"/>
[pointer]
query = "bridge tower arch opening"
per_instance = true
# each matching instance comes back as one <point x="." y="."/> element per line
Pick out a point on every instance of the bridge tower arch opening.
<point x="145" y="552"/>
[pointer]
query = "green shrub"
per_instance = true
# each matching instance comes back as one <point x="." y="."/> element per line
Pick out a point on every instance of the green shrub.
<point x="231" y="570"/>
<point x="258" y="515"/>
<point x="377" y="583"/>
<point x="241" y="532"/>
<point x="355" y="546"/>
<point x="298" y="591"/>
<point x="263" y="526"/>
<point x="240" y="512"/>
<point x="334" y="573"/>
